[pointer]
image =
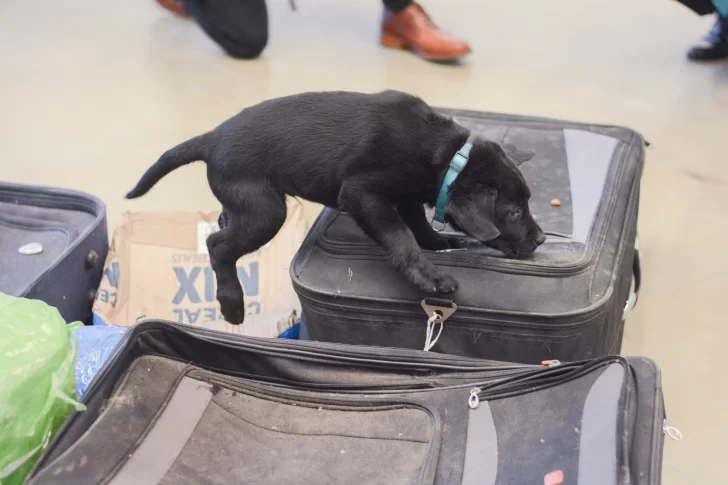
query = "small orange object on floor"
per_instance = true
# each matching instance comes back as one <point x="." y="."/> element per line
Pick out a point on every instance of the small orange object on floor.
<point x="554" y="478"/>
<point x="555" y="202"/>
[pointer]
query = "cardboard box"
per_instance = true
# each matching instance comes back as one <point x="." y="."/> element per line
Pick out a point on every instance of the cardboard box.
<point x="158" y="267"/>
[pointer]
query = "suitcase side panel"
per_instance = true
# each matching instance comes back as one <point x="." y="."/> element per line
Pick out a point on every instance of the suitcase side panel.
<point x="71" y="284"/>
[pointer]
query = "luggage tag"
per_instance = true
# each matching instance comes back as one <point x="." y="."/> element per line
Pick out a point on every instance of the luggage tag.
<point x="438" y="311"/>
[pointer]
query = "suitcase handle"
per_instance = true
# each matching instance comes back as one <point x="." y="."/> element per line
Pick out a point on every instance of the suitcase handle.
<point x="636" y="280"/>
<point x="637" y="273"/>
<point x="437" y="310"/>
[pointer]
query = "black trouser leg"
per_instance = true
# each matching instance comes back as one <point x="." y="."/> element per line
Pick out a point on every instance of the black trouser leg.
<point x="396" y="5"/>
<point x="240" y="27"/>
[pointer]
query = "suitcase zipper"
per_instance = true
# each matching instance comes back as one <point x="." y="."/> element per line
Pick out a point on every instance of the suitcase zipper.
<point x="330" y="351"/>
<point x="380" y="390"/>
<point x="474" y="400"/>
<point x="499" y="377"/>
<point x="539" y="379"/>
<point x="280" y="390"/>
<point x="671" y="431"/>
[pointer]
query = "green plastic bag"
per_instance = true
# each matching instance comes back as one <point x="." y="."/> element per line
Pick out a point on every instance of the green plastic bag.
<point x="37" y="382"/>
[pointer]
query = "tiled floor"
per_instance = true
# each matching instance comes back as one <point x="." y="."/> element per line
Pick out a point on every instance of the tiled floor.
<point x="91" y="93"/>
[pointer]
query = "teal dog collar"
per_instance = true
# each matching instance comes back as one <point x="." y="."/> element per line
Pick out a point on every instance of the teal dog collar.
<point x="457" y="164"/>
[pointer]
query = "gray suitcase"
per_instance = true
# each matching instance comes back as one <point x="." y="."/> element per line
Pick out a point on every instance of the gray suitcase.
<point x="185" y="405"/>
<point x="53" y="244"/>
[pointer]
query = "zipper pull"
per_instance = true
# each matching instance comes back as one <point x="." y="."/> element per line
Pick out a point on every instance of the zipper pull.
<point x="474" y="400"/>
<point x="671" y="431"/>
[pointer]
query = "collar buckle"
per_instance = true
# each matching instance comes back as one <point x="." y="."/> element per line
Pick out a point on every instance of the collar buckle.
<point x="438" y="226"/>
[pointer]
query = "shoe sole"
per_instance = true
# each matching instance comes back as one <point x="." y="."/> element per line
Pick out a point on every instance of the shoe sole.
<point x="707" y="58"/>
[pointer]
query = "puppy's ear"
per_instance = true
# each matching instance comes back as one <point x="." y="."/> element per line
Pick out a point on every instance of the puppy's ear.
<point x="474" y="214"/>
<point x="519" y="156"/>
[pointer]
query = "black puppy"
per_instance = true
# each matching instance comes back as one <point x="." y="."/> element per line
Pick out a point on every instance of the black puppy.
<point x="379" y="157"/>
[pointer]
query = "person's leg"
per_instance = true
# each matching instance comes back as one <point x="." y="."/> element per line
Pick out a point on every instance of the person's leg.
<point x="396" y="5"/>
<point x="240" y="27"/>
<point x="405" y="25"/>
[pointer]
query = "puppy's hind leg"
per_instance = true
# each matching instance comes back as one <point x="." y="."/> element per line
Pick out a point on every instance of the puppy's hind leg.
<point x="222" y="220"/>
<point x="253" y="216"/>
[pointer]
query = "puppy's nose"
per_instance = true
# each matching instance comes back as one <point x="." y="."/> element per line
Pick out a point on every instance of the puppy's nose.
<point x="540" y="238"/>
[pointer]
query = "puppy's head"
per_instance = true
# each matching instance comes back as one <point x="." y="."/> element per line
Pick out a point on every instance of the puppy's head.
<point x="489" y="201"/>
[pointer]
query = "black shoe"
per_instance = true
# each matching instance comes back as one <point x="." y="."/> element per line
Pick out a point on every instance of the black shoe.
<point x="715" y="45"/>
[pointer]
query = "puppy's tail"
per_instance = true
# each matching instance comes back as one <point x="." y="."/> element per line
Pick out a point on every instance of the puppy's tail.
<point x="187" y="152"/>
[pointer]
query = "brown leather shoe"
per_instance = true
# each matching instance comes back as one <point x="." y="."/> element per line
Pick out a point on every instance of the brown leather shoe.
<point x="412" y="29"/>
<point x="174" y="6"/>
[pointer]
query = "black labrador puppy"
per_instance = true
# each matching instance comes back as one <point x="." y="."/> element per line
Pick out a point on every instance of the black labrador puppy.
<point x="380" y="157"/>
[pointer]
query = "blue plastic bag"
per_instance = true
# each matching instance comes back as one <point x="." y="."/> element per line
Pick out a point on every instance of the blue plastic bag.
<point x="292" y="333"/>
<point x="95" y="345"/>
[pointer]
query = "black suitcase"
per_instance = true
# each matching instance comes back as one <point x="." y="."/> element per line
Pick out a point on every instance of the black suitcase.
<point x="53" y="245"/>
<point x="567" y="301"/>
<point x="185" y="405"/>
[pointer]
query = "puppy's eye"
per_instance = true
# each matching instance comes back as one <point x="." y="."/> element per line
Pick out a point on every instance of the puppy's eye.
<point x="515" y="214"/>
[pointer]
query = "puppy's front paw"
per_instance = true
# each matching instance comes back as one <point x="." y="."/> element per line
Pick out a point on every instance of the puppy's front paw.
<point x="440" y="283"/>
<point x="231" y="306"/>
<point x="444" y="283"/>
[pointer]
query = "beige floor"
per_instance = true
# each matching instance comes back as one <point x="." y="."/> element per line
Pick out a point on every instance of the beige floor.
<point x="93" y="92"/>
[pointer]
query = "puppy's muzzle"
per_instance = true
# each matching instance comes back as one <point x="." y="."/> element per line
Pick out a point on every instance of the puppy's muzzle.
<point x="540" y="238"/>
<point x="515" y="249"/>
